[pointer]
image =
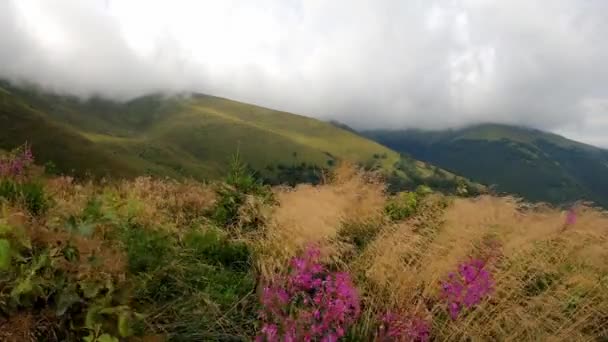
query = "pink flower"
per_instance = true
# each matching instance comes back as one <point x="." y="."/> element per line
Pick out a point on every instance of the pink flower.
<point x="308" y="304"/>
<point x="17" y="162"/>
<point x="467" y="289"/>
<point x="570" y="217"/>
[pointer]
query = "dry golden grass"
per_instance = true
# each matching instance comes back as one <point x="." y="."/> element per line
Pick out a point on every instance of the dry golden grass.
<point x="69" y="198"/>
<point x="17" y="328"/>
<point x="314" y="214"/>
<point x="155" y="202"/>
<point x="551" y="282"/>
<point x="551" y="279"/>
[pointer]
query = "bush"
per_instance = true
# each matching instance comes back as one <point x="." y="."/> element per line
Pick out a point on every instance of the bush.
<point x="240" y="184"/>
<point x="216" y="249"/>
<point x="402" y="206"/>
<point x="359" y="234"/>
<point x="9" y="190"/>
<point x="34" y="198"/>
<point x="193" y="289"/>
<point x="44" y="284"/>
<point x="147" y="249"/>
<point x="29" y="194"/>
<point x="423" y="190"/>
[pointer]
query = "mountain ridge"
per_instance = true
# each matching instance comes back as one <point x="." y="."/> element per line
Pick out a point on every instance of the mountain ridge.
<point x="536" y="165"/>
<point x="192" y="135"/>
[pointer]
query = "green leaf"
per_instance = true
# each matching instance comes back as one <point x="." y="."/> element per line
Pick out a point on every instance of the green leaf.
<point x="86" y="229"/>
<point x="24" y="286"/>
<point x="124" y="327"/>
<point x="90" y="321"/>
<point x="5" y="229"/>
<point x="71" y="223"/>
<point x="107" y="338"/>
<point x="67" y="298"/>
<point x="90" y="289"/>
<point x="5" y="254"/>
<point x="114" y="310"/>
<point x="70" y="253"/>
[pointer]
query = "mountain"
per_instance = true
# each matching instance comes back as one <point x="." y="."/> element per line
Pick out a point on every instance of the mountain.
<point x="190" y="135"/>
<point x="536" y="165"/>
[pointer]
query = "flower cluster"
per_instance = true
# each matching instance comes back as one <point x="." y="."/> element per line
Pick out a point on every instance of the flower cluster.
<point x="403" y="328"/>
<point x="309" y="304"/>
<point x="570" y="217"/>
<point x="467" y="288"/>
<point x="16" y="164"/>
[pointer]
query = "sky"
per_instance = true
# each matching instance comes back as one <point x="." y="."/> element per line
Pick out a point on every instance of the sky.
<point x="371" y="64"/>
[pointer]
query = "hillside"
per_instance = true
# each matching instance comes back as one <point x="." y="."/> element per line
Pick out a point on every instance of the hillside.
<point x="190" y="135"/>
<point x="536" y="165"/>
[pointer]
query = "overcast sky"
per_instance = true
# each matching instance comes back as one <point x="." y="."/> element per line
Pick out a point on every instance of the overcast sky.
<point x="373" y="64"/>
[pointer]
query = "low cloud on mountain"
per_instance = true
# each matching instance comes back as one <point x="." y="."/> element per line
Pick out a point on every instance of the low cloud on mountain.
<point x="373" y="64"/>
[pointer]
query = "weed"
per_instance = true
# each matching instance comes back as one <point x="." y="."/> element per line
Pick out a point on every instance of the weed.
<point x="240" y="184"/>
<point x="402" y="206"/>
<point x="359" y="234"/>
<point x="29" y="194"/>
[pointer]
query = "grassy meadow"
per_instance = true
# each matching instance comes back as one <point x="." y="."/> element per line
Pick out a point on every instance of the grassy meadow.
<point x="155" y="259"/>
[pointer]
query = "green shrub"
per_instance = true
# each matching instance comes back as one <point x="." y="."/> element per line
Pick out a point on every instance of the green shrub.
<point x="232" y="195"/>
<point x="30" y="194"/>
<point x="359" y="234"/>
<point x="51" y="169"/>
<point x="34" y="198"/>
<point x="92" y="210"/>
<point x="402" y="206"/>
<point x="9" y="190"/>
<point x="423" y="190"/>
<point x="43" y="283"/>
<point x="199" y="288"/>
<point x="535" y="283"/>
<point x="216" y="249"/>
<point x="147" y="249"/>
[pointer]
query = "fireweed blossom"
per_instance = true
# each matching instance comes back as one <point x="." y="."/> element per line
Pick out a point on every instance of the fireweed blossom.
<point x="396" y="327"/>
<point x="468" y="287"/>
<point x="310" y="303"/>
<point x="570" y="217"/>
<point x="16" y="164"/>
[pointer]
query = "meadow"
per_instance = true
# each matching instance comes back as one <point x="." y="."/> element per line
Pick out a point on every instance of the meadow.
<point x="156" y="259"/>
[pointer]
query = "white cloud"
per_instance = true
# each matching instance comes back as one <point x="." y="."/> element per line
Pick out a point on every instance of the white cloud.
<point x="385" y="63"/>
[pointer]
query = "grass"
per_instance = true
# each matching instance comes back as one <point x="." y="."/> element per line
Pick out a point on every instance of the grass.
<point x="147" y="259"/>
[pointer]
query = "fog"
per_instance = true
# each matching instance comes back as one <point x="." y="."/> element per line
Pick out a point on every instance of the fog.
<point x="371" y="64"/>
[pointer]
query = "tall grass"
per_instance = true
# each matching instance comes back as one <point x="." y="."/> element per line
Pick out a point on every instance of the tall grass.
<point x="149" y="259"/>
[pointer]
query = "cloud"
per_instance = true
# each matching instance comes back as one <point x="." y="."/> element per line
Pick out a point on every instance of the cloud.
<point x="372" y="64"/>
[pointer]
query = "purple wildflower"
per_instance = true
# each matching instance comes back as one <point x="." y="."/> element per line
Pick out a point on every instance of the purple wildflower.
<point x="570" y="217"/>
<point x="467" y="288"/>
<point x="309" y="304"/>
<point x="403" y="328"/>
<point x="17" y="162"/>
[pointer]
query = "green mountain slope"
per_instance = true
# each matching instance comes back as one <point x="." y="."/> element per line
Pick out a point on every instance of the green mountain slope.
<point x="193" y="136"/>
<point x="536" y="165"/>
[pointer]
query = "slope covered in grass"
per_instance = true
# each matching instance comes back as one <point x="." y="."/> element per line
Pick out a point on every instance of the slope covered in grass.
<point x="537" y="165"/>
<point x="54" y="141"/>
<point x="191" y="136"/>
